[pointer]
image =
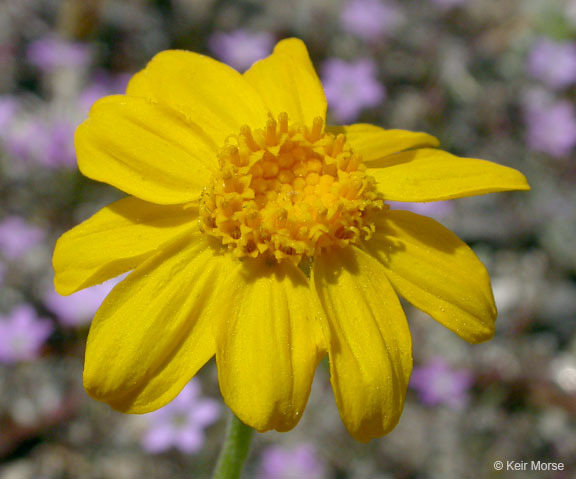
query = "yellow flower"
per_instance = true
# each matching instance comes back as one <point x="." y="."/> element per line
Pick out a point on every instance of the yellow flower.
<point x="257" y="234"/>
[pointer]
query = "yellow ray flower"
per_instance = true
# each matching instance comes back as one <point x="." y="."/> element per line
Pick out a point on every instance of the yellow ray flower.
<point x="258" y="234"/>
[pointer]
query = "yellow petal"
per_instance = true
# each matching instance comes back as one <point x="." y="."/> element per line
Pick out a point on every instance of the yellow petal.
<point x="432" y="175"/>
<point x="145" y="150"/>
<point x="437" y="272"/>
<point x="268" y="344"/>
<point x="204" y="90"/>
<point x="369" y="343"/>
<point x="288" y="82"/>
<point x="115" y="240"/>
<point x="374" y="143"/>
<point x="153" y="332"/>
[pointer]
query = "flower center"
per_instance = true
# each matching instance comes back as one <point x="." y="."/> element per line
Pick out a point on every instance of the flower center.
<point x="287" y="190"/>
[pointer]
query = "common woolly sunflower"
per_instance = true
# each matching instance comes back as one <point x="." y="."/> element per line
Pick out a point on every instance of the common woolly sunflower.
<point x="256" y="233"/>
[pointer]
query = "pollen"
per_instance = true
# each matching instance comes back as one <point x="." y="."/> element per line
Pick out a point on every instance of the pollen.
<point x="288" y="190"/>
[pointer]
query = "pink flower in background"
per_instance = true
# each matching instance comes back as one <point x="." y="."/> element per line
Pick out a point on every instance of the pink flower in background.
<point x="47" y="142"/>
<point x="370" y="19"/>
<point x="22" y="334"/>
<point x="553" y="63"/>
<point x="435" y="209"/>
<point x="551" y="127"/>
<point x="50" y="52"/>
<point x="289" y="463"/>
<point x="79" y="308"/>
<point x="437" y="383"/>
<point x="102" y="84"/>
<point x="47" y="139"/>
<point x="241" y="48"/>
<point x="8" y="108"/>
<point x="17" y="237"/>
<point x="59" y="144"/>
<point x="24" y="140"/>
<point x="181" y="423"/>
<point x="351" y="87"/>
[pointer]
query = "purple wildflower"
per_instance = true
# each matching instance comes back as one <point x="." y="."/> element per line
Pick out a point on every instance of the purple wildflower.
<point x="46" y="142"/>
<point x="435" y="209"/>
<point x="8" y="109"/>
<point x="17" y="237"/>
<point x="351" y="87"/>
<point x="241" y="48"/>
<point x="102" y="84"/>
<point x="551" y="128"/>
<point x="300" y="461"/>
<point x="437" y="383"/>
<point x="79" y="308"/>
<point x="49" y="53"/>
<point x="553" y="63"/>
<point x="59" y="140"/>
<point x="20" y="141"/>
<point x="22" y="334"/>
<point x="370" y="19"/>
<point x="181" y="423"/>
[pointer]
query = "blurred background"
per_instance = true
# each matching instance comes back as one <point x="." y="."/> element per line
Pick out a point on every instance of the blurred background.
<point x="492" y="79"/>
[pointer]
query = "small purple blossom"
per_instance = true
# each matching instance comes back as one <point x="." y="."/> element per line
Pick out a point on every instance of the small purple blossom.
<point x="551" y="127"/>
<point x="48" y="142"/>
<point x="78" y="308"/>
<point x="435" y="209"/>
<point x="241" y="48"/>
<point x="8" y="109"/>
<point x="102" y="84"/>
<point x="181" y="423"/>
<point x="59" y="145"/>
<point x="22" y="334"/>
<point x="49" y="53"/>
<point x="437" y="383"/>
<point x="289" y="463"/>
<point x="351" y="87"/>
<point x="553" y="63"/>
<point x="17" y="237"/>
<point x="370" y="19"/>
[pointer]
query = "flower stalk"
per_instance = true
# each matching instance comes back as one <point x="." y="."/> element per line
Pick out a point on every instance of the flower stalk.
<point x="235" y="450"/>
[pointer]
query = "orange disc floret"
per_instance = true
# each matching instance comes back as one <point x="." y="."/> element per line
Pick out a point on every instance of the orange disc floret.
<point x="288" y="189"/>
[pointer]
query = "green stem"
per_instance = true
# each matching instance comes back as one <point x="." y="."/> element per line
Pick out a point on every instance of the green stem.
<point x="235" y="450"/>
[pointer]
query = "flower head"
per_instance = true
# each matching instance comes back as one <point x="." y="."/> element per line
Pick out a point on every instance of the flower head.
<point x="551" y="127"/>
<point x="435" y="209"/>
<point x="45" y="141"/>
<point x="370" y="19"/>
<point x="22" y="334"/>
<point x="17" y="237"/>
<point x="49" y="53"/>
<point x="101" y="84"/>
<point x="437" y="383"/>
<point x="258" y="234"/>
<point x="79" y="308"/>
<point x="241" y="48"/>
<point x="351" y="87"/>
<point x="552" y="62"/>
<point x="181" y="424"/>
<point x="8" y="108"/>
<point x="289" y="463"/>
